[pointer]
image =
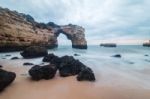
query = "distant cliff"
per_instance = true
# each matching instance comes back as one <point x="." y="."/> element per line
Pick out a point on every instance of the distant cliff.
<point x="18" y="30"/>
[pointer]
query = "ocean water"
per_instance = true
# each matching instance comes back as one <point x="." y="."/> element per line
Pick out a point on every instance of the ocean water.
<point x="133" y="68"/>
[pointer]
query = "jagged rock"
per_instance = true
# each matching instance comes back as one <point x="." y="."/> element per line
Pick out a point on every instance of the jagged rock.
<point x="13" y="58"/>
<point x="27" y="32"/>
<point x="70" y="66"/>
<point x="108" y="45"/>
<point x="56" y="61"/>
<point x="49" y="57"/>
<point x="117" y="56"/>
<point x="34" y="51"/>
<point x="28" y="63"/>
<point x="53" y="59"/>
<point x="43" y="72"/>
<point x="6" y="78"/>
<point x="86" y="75"/>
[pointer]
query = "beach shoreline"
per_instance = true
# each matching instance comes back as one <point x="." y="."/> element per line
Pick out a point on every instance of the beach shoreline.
<point x="69" y="88"/>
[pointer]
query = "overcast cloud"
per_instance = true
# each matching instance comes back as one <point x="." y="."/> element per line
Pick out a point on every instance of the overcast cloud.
<point x="103" y="19"/>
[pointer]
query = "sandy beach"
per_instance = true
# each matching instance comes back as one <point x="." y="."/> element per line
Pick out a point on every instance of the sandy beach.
<point x="112" y="85"/>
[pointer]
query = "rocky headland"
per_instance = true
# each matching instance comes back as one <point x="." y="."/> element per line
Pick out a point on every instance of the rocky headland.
<point x="18" y="31"/>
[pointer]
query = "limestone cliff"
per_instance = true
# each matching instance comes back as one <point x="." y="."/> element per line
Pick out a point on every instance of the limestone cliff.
<point x="18" y="30"/>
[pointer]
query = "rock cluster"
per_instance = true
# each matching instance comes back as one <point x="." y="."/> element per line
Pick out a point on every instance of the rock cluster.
<point x="66" y="65"/>
<point x="6" y="78"/>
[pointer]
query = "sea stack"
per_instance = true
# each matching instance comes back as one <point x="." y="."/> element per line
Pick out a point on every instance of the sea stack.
<point x="108" y="45"/>
<point x="28" y="32"/>
<point x="147" y="44"/>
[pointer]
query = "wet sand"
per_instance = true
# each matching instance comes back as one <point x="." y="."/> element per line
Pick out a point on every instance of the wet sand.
<point x="116" y="86"/>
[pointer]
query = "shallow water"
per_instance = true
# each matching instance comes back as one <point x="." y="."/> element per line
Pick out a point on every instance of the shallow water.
<point x="131" y="72"/>
<point x="134" y="66"/>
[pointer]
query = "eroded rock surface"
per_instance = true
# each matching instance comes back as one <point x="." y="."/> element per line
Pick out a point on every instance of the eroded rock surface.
<point x="43" y="72"/>
<point x="34" y="51"/>
<point x="18" y="31"/>
<point x="86" y="75"/>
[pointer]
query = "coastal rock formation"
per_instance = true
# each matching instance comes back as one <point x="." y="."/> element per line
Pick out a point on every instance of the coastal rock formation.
<point x="70" y="66"/>
<point x="75" y="34"/>
<point x="117" y="56"/>
<point x="43" y="72"/>
<point x="66" y="65"/>
<point x="34" y="51"/>
<point x="108" y="45"/>
<point x="86" y="75"/>
<point x="6" y="78"/>
<point x="147" y="44"/>
<point x="49" y="57"/>
<point x="18" y="31"/>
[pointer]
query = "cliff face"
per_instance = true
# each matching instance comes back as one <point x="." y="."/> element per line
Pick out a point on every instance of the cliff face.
<point x="18" y="30"/>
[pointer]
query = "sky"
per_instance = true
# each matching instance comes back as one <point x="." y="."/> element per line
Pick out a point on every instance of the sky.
<point x="118" y="21"/>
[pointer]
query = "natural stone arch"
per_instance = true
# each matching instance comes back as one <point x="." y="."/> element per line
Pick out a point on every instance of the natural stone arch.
<point x="75" y="34"/>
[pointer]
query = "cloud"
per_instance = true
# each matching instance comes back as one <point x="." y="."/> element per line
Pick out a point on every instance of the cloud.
<point x="102" y="19"/>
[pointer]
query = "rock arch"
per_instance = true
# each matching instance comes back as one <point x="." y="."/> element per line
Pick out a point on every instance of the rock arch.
<point x="75" y="34"/>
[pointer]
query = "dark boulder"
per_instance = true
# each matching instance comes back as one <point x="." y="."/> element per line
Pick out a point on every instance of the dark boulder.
<point x="6" y="78"/>
<point x="117" y="56"/>
<point x="28" y="64"/>
<point x="56" y="61"/>
<point x="34" y="51"/>
<point x="13" y="58"/>
<point x="1" y="66"/>
<point x="53" y="59"/>
<point x="49" y="57"/>
<point x="86" y="75"/>
<point x="43" y="72"/>
<point x="70" y="66"/>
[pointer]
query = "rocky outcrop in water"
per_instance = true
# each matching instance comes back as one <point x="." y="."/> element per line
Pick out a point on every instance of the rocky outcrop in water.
<point x="147" y="44"/>
<point x="34" y="51"/>
<point x="18" y="31"/>
<point x="6" y="78"/>
<point x="108" y="45"/>
<point x="117" y="56"/>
